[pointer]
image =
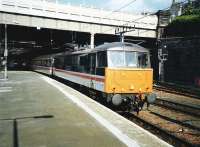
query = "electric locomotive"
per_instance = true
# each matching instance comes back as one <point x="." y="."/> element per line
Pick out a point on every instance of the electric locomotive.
<point x="117" y="72"/>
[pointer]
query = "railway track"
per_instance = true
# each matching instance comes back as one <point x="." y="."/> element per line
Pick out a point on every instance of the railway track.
<point x="178" y="90"/>
<point x="181" y="131"/>
<point x="174" y="127"/>
<point x="192" y="110"/>
<point x="176" y="119"/>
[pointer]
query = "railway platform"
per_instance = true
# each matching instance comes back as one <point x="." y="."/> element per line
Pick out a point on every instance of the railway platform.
<point x="37" y="111"/>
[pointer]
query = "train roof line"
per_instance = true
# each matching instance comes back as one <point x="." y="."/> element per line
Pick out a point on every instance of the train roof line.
<point x="114" y="46"/>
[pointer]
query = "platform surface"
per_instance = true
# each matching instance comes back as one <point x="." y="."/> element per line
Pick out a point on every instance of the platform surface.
<point x="77" y="120"/>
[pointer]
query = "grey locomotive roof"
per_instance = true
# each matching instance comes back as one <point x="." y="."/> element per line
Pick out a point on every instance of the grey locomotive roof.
<point x="128" y="46"/>
<point x="107" y="46"/>
<point x="115" y="46"/>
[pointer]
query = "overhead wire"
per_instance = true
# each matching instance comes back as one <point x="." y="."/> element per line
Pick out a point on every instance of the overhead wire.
<point x="153" y="13"/>
<point x="117" y="10"/>
<point x="126" y="5"/>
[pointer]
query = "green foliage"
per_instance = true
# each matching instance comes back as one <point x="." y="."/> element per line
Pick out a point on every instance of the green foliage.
<point x="192" y="12"/>
<point x="192" y="9"/>
<point x="186" y="19"/>
<point x="188" y="24"/>
<point x="185" y="25"/>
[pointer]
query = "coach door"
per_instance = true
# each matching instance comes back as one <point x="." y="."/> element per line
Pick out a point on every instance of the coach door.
<point x="92" y="59"/>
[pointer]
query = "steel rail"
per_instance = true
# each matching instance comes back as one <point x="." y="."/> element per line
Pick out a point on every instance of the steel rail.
<point x="164" y="134"/>
<point x="194" y="111"/>
<point x="179" y="91"/>
<point x="177" y="121"/>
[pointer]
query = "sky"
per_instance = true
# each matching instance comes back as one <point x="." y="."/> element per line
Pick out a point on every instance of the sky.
<point x="137" y="6"/>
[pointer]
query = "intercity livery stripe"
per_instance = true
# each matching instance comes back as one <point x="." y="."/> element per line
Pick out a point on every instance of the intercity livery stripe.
<point x="95" y="78"/>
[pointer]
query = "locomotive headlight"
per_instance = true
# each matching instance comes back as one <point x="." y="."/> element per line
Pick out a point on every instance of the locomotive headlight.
<point x="151" y="98"/>
<point x="132" y="87"/>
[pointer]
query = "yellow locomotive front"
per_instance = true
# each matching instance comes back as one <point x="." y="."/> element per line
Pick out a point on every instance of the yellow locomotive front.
<point x="129" y="77"/>
<point x="128" y="80"/>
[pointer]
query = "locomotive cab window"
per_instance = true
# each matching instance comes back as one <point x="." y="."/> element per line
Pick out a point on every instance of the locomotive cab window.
<point x="128" y="59"/>
<point x="116" y="59"/>
<point x="131" y="59"/>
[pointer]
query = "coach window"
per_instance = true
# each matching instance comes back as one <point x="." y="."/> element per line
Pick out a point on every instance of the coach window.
<point x="101" y="63"/>
<point x="43" y="62"/>
<point x="102" y="59"/>
<point x="49" y="62"/>
<point x="46" y="62"/>
<point x="83" y="64"/>
<point x="68" y="63"/>
<point x="92" y="59"/>
<point x="59" y="62"/>
<point x="75" y="63"/>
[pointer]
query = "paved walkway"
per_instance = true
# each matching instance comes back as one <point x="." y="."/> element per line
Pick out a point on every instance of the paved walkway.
<point x="36" y="111"/>
<point x="25" y="94"/>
